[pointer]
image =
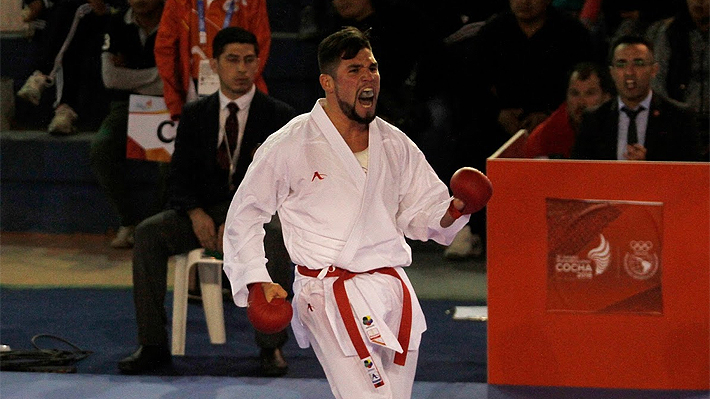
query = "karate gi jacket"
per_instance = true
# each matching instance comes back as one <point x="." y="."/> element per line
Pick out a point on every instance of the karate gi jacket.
<point x="334" y="214"/>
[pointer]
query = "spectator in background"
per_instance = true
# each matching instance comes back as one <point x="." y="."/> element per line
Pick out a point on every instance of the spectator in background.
<point x="638" y="124"/>
<point x="633" y="17"/>
<point x="395" y="35"/>
<point x="314" y="15"/>
<point x="589" y="86"/>
<point x="35" y="13"/>
<point x="623" y="17"/>
<point x="522" y="57"/>
<point x="682" y="48"/>
<point x="434" y="122"/>
<point x="182" y="48"/>
<point x="75" y="34"/>
<point x="417" y="95"/>
<point x="216" y="139"/>
<point x="610" y="19"/>
<point x="509" y="76"/>
<point x="128" y="66"/>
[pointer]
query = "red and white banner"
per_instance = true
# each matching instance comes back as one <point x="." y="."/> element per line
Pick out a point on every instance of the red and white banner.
<point x="604" y="256"/>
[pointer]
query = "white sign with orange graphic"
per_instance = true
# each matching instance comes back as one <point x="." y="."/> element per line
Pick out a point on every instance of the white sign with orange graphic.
<point x="151" y="132"/>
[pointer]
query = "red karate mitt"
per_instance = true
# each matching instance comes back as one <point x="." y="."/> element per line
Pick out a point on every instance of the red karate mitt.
<point x="267" y="317"/>
<point x="473" y="188"/>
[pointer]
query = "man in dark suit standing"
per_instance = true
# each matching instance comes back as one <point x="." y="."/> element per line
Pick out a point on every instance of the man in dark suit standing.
<point x="215" y="141"/>
<point x="638" y="124"/>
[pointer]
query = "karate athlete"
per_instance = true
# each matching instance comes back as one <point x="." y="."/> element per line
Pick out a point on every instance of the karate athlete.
<point x="348" y="188"/>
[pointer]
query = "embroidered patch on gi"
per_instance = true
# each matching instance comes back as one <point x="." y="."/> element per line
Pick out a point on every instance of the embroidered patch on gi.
<point x="373" y="372"/>
<point x="373" y="333"/>
<point x="317" y="175"/>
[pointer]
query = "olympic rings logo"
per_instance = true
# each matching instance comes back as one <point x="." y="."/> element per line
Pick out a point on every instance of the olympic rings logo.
<point x="641" y="246"/>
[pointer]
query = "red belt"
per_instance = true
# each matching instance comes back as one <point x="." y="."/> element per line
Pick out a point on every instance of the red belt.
<point x="346" y="313"/>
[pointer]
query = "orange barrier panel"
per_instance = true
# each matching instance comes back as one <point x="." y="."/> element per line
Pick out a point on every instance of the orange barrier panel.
<point x="532" y="343"/>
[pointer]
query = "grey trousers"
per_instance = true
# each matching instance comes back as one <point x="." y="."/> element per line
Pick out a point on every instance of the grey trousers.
<point x="170" y="233"/>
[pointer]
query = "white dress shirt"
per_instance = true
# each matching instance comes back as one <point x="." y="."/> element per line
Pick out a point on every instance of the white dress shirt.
<point x="641" y="124"/>
<point x="243" y="103"/>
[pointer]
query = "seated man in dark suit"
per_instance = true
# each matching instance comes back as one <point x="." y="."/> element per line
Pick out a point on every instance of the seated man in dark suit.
<point x="638" y="124"/>
<point x="216" y="138"/>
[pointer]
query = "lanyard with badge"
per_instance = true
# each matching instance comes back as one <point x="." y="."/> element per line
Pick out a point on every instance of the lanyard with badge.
<point x="208" y="81"/>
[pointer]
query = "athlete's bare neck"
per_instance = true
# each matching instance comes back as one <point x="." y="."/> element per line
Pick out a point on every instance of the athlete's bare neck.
<point x="355" y="134"/>
<point x="357" y="141"/>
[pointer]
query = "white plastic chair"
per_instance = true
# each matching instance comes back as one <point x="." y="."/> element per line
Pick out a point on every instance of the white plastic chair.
<point x="210" y="271"/>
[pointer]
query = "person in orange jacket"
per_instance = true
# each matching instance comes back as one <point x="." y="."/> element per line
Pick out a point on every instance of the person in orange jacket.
<point x="183" y="44"/>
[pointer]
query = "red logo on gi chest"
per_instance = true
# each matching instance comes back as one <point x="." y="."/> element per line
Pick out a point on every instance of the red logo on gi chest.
<point x="318" y="176"/>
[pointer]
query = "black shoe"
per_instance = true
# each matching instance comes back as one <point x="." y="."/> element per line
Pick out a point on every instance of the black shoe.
<point x="146" y="358"/>
<point x="273" y="363"/>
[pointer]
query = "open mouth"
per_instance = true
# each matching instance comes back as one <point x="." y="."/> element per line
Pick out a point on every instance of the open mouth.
<point x="366" y="98"/>
<point x="630" y="84"/>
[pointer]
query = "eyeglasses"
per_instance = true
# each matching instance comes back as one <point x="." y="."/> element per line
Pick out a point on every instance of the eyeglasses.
<point x="621" y="64"/>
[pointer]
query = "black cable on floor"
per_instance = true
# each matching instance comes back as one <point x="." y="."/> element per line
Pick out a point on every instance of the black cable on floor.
<point x="43" y="360"/>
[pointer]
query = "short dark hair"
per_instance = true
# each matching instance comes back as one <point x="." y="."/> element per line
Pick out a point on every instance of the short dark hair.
<point x="585" y="69"/>
<point x="341" y="45"/>
<point x="231" y="35"/>
<point x="628" y="39"/>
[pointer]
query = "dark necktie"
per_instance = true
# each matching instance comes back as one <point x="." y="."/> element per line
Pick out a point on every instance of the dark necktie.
<point x="231" y="130"/>
<point x="632" y="134"/>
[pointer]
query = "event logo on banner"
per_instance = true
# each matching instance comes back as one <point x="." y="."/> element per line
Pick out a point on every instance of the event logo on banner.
<point x="604" y="256"/>
<point x="151" y="133"/>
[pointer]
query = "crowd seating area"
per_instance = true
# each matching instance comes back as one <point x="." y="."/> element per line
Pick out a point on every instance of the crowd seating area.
<point x="46" y="182"/>
<point x="48" y="185"/>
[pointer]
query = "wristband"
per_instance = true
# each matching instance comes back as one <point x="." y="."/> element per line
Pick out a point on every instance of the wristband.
<point x="455" y="213"/>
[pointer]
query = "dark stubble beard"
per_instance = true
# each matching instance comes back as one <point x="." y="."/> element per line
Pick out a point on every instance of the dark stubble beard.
<point x="349" y="111"/>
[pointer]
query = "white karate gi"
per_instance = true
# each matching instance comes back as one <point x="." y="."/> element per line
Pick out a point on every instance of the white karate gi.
<point x="333" y="213"/>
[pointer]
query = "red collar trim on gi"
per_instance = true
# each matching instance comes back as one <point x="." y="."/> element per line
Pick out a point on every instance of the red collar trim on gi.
<point x="346" y="313"/>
